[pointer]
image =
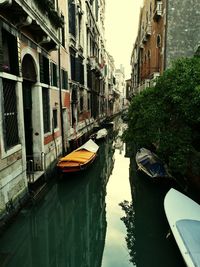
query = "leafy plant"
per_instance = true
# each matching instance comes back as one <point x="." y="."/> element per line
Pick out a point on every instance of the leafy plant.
<point x="168" y="116"/>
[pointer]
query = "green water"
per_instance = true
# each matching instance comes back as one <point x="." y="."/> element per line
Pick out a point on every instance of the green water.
<point x="78" y="221"/>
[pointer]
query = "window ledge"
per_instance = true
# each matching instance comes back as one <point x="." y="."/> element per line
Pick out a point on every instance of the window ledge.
<point x="11" y="151"/>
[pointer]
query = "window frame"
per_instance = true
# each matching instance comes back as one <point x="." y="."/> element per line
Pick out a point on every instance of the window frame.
<point x="5" y="126"/>
<point x="46" y="110"/>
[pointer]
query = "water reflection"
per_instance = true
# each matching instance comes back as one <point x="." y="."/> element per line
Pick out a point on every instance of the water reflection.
<point x="68" y="226"/>
<point x="118" y="188"/>
<point x="77" y="223"/>
<point x="129" y="221"/>
<point x="151" y="247"/>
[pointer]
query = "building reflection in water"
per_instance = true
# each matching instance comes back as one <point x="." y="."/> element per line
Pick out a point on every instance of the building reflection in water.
<point x="68" y="226"/>
<point x="146" y="223"/>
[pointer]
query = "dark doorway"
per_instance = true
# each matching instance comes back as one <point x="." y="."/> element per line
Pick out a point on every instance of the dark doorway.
<point x="28" y="127"/>
<point x="29" y="78"/>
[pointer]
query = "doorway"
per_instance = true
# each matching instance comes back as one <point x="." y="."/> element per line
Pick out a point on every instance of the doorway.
<point x="29" y="79"/>
<point x="28" y="126"/>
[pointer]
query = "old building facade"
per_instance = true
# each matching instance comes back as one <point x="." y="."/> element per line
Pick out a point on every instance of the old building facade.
<point x="147" y="56"/>
<point x="33" y="84"/>
<point x="53" y="80"/>
<point x="167" y="30"/>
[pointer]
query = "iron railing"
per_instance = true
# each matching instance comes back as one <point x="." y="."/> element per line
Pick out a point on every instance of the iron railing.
<point x="36" y="166"/>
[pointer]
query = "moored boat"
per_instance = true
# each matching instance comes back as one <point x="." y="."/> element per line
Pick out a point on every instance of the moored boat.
<point x="100" y="134"/>
<point x="150" y="164"/>
<point x="183" y="215"/>
<point x="80" y="158"/>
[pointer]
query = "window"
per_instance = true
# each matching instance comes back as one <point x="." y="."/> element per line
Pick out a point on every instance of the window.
<point x="9" y="53"/>
<point x="158" y="41"/>
<point x="88" y="101"/>
<point x="79" y="70"/>
<point x="150" y="8"/>
<point x="10" y="124"/>
<point x="64" y="79"/>
<point x="96" y="9"/>
<point x="149" y="54"/>
<point x="81" y="101"/>
<point x="63" y="34"/>
<point x="55" y="118"/>
<point x="89" y="78"/>
<point x="72" y="18"/>
<point x="54" y="78"/>
<point x="44" y="69"/>
<point x="72" y="63"/>
<point x="46" y="111"/>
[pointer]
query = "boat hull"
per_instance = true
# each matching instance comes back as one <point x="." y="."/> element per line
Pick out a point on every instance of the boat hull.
<point x="78" y="159"/>
<point x="75" y="167"/>
<point x="183" y="215"/>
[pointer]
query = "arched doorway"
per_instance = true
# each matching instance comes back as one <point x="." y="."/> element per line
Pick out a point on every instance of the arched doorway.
<point x="29" y="78"/>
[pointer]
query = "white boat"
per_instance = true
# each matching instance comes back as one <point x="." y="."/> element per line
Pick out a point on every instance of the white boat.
<point x="183" y="215"/>
<point x="100" y="134"/>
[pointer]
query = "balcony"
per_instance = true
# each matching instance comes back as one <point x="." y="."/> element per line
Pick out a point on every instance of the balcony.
<point x="157" y="11"/>
<point x="94" y="64"/>
<point x="40" y="18"/>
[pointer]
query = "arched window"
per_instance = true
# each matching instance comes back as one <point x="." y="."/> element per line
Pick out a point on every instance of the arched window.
<point x="28" y="68"/>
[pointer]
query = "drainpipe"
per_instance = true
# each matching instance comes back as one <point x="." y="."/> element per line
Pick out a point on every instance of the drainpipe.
<point x="60" y="96"/>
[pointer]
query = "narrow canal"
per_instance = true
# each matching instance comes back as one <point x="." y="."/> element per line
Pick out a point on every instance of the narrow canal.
<point x="89" y="220"/>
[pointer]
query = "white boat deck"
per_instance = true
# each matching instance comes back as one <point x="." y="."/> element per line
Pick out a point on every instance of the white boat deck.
<point x="183" y="215"/>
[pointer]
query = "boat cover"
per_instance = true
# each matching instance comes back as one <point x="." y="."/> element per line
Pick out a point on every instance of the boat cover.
<point x="89" y="146"/>
<point x="101" y="133"/>
<point x="189" y="231"/>
<point x="80" y="156"/>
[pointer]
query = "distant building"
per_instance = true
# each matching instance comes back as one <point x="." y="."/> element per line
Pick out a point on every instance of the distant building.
<point x="129" y="90"/>
<point x="121" y="85"/>
<point x="110" y="82"/>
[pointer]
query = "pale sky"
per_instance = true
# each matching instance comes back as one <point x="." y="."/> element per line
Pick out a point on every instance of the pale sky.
<point x="121" y="26"/>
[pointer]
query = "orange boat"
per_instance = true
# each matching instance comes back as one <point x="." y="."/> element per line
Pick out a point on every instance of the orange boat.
<point x="80" y="158"/>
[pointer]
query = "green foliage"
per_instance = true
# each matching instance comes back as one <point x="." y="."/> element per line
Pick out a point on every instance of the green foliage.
<point x="129" y="221"/>
<point x="168" y="115"/>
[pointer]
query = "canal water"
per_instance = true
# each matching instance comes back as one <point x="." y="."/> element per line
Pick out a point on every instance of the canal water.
<point x="94" y="219"/>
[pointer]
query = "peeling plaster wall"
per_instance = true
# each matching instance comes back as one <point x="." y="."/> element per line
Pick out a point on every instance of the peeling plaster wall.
<point x="183" y="29"/>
